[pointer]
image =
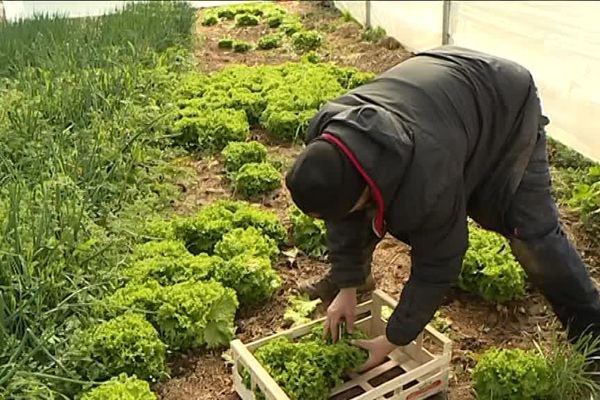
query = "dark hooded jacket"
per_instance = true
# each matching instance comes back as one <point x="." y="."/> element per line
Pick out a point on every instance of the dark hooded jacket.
<point x="445" y="134"/>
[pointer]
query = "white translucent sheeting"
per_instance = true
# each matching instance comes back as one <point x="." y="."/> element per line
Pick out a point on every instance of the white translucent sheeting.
<point x="558" y="41"/>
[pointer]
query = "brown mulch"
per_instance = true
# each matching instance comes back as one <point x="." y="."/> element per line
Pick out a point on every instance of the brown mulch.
<point x="476" y="325"/>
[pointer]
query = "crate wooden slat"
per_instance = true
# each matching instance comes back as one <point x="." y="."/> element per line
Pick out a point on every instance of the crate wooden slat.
<point x="423" y="372"/>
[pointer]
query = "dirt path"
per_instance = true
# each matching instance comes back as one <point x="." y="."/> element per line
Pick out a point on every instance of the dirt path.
<point x="475" y="325"/>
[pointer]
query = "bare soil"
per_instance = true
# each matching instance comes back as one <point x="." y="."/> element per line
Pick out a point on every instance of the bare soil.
<point x="475" y="324"/>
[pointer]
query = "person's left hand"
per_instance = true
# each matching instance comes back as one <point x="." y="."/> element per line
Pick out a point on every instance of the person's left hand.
<point x="378" y="349"/>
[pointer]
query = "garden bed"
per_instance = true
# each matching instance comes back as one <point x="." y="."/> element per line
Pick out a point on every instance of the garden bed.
<point x="475" y="325"/>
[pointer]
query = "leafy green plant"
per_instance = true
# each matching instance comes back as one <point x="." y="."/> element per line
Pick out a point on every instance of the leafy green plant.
<point x="309" y="234"/>
<point x="211" y="133"/>
<point x="259" y="10"/>
<point x="248" y="215"/>
<point x="489" y="268"/>
<point x="300" y="309"/>
<point x="169" y="270"/>
<point x="157" y="228"/>
<point x="202" y="231"/>
<point x="122" y="387"/>
<point x="347" y="17"/>
<point x="237" y="154"/>
<point x="286" y="125"/>
<point x="585" y="198"/>
<point x="246" y="241"/>
<point x="373" y="35"/>
<point x="290" y="26"/>
<point x="161" y="248"/>
<point x="126" y="344"/>
<point x="307" y="40"/>
<point x="252" y="277"/>
<point x="271" y="41"/>
<point x="312" y="57"/>
<point x="275" y="20"/>
<point x="225" y="43"/>
<point x="310" y="368"/>
<point x="187" y="315"/>
<point x="511" y="374"/>
<point x="254" y="179"/>
<point x="193" y="315"/>
<point x="210" y="20"/>
<point x="246" y="20"/>
<point x="241" y="46"/>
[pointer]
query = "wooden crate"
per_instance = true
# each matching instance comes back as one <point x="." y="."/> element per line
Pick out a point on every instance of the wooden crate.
<point x="413" y="372"/>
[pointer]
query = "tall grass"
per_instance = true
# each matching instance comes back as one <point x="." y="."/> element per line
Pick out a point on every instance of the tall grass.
<point x="83" y="104"/>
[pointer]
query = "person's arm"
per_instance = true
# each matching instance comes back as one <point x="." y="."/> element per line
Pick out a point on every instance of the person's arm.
<point x="351" y="242"/>
<point x="437" y="253"/>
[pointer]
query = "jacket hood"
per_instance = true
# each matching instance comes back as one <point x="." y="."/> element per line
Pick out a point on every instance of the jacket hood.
<point x="375" y="137"/>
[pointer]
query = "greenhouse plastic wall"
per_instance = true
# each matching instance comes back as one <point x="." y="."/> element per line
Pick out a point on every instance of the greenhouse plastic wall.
<point x="557" y="40"/>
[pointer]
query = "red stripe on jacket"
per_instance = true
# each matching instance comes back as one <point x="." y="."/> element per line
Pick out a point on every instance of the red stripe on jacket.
<point x="378" y="224"/>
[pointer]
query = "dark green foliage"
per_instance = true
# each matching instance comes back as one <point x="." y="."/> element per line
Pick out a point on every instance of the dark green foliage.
<point x="210" y="20"/>
<point x="236" y="154"/>
<point x="572" y="368"/>
<point x="561" y="156"/>
<point x="246" y="20"/>
<point x="312" y="57"/>
<point x="585" y="199"/>
<point x="26" y="387"/>
<point x="290" y="26"/>
<point x="310" y="368"/>
<point x="576" y="184"/>
<point x="256" y="178"/>
<point x="241" y="46"/>
<point x="187" y="315"/>
<point x="271" y="41"/>
<point x="489" y="268"/>
<point x="246" y="241"/>
<point x="212" y="132"/>
<point x="126" y="344"/>
<point x="307" y="40"/>
<point x="274" y="21"/>
<point x="511" y="374"/>
<point x="309" y="234"/>
<point x="373" y="34"/>
<point x="121" y="387"/>
<point x="225" y="43"/>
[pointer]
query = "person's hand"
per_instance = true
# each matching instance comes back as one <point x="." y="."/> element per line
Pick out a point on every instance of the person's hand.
<point x="378" y="349"/>
<point x="342" y="308"/>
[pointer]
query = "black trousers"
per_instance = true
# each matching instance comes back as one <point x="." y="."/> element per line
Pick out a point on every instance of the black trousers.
<point x="551" y="262"/>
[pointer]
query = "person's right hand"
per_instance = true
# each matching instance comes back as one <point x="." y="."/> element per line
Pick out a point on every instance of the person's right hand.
<point x="341" y="309"/>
